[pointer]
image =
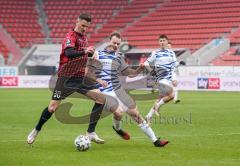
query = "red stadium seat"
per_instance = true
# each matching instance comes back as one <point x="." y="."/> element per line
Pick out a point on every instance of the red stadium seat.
<point x="100" y="10"/>
<point x="186" y="22"/>
<point x="20" y="20"/>
<point x="189" y="24"/>
<point x="127" y="15"/>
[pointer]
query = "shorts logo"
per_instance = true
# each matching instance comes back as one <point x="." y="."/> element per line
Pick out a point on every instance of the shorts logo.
<point x="57" y="94"/>
<point x="208" y="83"/>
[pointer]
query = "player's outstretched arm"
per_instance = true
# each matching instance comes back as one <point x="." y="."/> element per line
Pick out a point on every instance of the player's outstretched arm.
<point x="90" y="70"/>
<point x="72" y="52"/>
<point x="147" y="66"/>
<point x="92" y="66"/>
<point x="131" y="72"/>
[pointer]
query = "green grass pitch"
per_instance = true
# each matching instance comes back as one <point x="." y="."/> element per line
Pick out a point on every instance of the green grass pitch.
<point x="204" y="129"/>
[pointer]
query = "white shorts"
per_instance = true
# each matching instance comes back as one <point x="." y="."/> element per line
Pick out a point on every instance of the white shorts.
<point x="165" y="87"/>
<point x="123" y="99"/>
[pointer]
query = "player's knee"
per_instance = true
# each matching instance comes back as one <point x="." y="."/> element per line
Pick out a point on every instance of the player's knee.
<point x="52" y="107"/>
<point x="133" y="112"/>
<point x="135" y="115"/>
<point x="168" y="98"/>
<point x="171" y="96"/>
<point x="117" y="115"/>
<point x="100" y="99"/>
<point x="170" y="93"/>
<point x="96" y="96"/>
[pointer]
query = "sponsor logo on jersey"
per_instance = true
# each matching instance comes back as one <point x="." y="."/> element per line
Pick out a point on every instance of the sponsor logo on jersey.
<point x="68" y="42"/>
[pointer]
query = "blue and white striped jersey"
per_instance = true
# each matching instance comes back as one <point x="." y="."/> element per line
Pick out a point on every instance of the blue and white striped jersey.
<point x="112" y="64"/>
<point x="164" y="63"/>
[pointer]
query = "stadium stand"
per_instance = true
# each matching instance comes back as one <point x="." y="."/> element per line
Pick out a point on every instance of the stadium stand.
<point x="189" y="24"/>
<point x="20" y="19"/>
<point x="229" y="58"/>
<point x="235" y="37"/>
<point x="130" y="12"/>
<point x="62" y="14"/>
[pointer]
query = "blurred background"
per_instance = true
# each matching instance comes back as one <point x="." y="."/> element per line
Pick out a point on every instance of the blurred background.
<point x="205" y="34"/>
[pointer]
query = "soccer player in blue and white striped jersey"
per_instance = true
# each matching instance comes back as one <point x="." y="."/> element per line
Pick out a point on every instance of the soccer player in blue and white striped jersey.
<point x="109" y="65"/>
<point x="163" y="62"/>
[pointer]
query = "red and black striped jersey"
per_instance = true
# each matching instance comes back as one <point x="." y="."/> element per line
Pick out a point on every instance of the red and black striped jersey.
<point x="73" y="67"/>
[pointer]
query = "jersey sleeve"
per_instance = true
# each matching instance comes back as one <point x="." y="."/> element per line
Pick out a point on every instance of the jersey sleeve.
<point x="150" y="61"/>
<point x="69" y="41"/>
<point x="123" y="64"/>
<point x="94" y="61"/>
<point x="151" y="58"/>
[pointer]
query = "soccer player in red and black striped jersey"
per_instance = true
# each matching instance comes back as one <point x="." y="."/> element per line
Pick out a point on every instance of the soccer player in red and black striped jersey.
<point x="73" y="75"/>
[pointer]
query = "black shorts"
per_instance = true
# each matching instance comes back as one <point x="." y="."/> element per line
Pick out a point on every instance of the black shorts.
<point x="67" y="86"/>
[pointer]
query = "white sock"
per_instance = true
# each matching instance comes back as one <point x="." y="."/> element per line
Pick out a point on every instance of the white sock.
<point x="150" y="113"/>
<point x="161" y="102"/>
<point x="117" y="124"/>
<point x="175" y="91"/>
<point x="156" y="106"/>
<point x="148" y="131"/>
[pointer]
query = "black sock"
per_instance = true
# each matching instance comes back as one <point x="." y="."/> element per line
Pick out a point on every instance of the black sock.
<point x="44" y="117"/>
<point x="95" y="116"/>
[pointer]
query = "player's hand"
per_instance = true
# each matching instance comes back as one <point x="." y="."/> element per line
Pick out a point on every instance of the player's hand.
<point x="90" y="51"/>
<point x="102" y="82"/>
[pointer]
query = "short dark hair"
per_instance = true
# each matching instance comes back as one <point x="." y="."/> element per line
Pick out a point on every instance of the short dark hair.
<point x="163" y="36"/>
<point x="85" y="16"/>
<point x="115" y="33"/>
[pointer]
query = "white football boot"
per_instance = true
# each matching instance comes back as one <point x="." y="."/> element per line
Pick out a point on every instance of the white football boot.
<point x="94" y="137"/>
<point x="32" y="136"/>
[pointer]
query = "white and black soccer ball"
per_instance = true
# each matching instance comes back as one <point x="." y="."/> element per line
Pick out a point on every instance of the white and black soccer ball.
<point x="82" y="143"/>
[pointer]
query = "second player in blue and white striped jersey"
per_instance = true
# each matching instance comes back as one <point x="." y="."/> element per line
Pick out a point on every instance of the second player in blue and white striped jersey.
<point x="164" y="63"/>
